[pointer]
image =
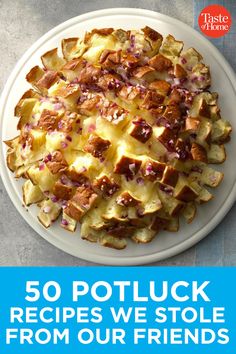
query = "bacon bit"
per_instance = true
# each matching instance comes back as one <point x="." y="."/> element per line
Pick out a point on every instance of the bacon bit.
<point x="141" y="131"/>
<point x="198" y="153"/>
<point x="175" y="97"/>
<point x="48" y="120"/>
<point x="153" y="170"/>
<point x="57" y="163"/>
<point x="179" y="72"/>
<point x="160" y="63"/>
<point x="89" y="74"/>
<point x="127" y="200"/>
<point x="172" y="113"/>
<point x="142" y="71"/>
<point x="96" y="146"/>
<point x="47" y="79"/>
<point x="62" y="191"/>
<point x="152" y="34"/>
<point x="161" y="86"/>
<point x="106" y="186"/>
<point x="109" y="82"/>
<point x="84" y="197"/>
<point x="130" y="60"/>
<point x="152" y="100"/>
<point x="127" y="166"/>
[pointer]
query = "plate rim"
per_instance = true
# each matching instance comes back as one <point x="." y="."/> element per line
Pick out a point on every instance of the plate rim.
<point x="103" y="259"/>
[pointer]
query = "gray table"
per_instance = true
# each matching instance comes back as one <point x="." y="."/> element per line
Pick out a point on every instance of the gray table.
<point x="22" y="22"/>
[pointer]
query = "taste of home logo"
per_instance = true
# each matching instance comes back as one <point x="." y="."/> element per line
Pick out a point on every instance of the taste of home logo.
<point x="214" y="21"/>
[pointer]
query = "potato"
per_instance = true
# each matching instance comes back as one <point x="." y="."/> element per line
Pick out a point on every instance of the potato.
<point x="48" y="213"/>
<point x="31" y="194"/>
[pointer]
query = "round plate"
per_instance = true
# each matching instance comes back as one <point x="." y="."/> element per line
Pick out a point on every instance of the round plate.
<point x="166" y="244"/>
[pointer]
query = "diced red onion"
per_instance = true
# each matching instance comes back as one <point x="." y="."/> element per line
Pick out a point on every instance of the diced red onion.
<point x="54" y="199"/>
<point x="64" y="145"/>
<point x="64" y="222"/>
<point x="58" y="106"/>
<point x="47" y="209"/>
<point x="183" y="61"/>
<point x="140" y="180"/>
<point x="69" y="138"/>
<point x="166" y="189"/>
<point x="91" y="128"/>
<point x="41" y="166"/>
<point x="196" y="169"/>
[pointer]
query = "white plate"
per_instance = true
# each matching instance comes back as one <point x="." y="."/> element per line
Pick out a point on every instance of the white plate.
<point x="166" y="244"/>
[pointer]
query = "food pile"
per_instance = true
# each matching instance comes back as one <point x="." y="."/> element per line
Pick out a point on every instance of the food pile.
<point x="117" y="134"/>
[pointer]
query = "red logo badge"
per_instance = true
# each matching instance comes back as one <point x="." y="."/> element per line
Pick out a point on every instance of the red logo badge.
<point x="214" y="21"/>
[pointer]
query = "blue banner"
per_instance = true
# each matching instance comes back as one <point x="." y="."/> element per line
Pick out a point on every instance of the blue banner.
<point x="117" y="310"/>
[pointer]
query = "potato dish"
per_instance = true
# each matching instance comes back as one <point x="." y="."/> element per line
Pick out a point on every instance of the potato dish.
<point x="118" y="133"/>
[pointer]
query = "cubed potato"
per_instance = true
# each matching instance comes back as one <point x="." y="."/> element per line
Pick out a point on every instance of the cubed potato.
<point x="73" y="48"/>
<point x="210" y="177"/>
<point x="143" y="235"/>
<point x="216" y="154"/>
<point x="171" y="205"/>
<point x="68" y="223"/>
<point x="23" y="110"/>
<point x="184" y="191"/>
<point x="221" y="130"/>
<point x="118" y="243"/>
<point x="52" y="61"/>
<point x="49" y="212"/>
<point x="41" y="177"/>
<point x="31" y="194"/>
<point x="38" y="139"/>
<point x="171" y="47"/>
<point x="189" y="212"/>
<point x="170" y="176"/>
<point x="204" y="195"/>
<point x="204" y="133"/>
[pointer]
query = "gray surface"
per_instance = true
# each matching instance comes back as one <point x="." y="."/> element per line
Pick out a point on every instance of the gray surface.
<point x="22" y="22"/>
